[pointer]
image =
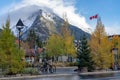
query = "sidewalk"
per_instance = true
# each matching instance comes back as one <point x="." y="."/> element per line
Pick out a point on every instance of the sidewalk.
<point x="35" y="76"/>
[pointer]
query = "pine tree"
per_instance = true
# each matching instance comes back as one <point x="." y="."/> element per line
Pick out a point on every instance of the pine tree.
<point x="83" y="54"/>
<point x="31" y="39"/>
<point x="34" y="42"/>
<point x="10" y="55"/>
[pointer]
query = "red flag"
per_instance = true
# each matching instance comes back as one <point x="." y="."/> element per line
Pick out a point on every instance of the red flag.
<point x="94" y="17"/>
<point x="91" y="18"/>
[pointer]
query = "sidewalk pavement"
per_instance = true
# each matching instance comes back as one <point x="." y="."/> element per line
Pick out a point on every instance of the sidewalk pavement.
<point x="35" y="76"/>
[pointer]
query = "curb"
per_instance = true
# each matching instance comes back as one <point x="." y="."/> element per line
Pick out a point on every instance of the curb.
<point x="94" y="73"/>
<point x="36" y="76"/>
<point x="66" y="67"/>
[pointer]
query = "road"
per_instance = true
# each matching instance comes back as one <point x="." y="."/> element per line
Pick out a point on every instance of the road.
<point x="67" y="73"/>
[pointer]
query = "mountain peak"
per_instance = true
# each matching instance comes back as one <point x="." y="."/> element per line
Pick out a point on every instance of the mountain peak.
<point x="42" y="19"/>
<point x="45" y="23"/>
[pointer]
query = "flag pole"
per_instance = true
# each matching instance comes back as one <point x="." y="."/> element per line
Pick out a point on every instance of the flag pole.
<point x="99" y="19"/>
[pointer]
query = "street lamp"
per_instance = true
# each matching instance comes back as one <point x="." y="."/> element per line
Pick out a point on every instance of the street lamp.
<point x="19" y="26"/>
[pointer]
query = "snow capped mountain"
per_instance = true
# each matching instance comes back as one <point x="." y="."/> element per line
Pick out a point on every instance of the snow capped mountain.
<point x="59" y="7"/>
<point x="42" y="19"/>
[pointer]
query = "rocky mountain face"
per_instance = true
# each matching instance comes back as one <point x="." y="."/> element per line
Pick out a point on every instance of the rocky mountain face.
<point x="40" y="19"/>
<point x="46" y="23"/>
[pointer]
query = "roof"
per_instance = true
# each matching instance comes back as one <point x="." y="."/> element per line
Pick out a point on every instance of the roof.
<point x="113" y="35"/>
<point x="31" y="52"/>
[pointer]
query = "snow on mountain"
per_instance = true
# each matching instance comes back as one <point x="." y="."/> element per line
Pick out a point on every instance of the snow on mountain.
<point x="40" y="18"/>
<point x="58" y="7"/>
<point x="26" y="13"/>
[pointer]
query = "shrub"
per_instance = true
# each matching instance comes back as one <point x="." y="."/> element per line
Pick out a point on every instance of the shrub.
<point x="30" y="71"/>
<point x="71" y="64"/>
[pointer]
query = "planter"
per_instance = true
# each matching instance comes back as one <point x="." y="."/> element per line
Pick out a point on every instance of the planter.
<point x="25" y="74"/>
<point x="84" y="69"/>
<point x="18" y="75"/>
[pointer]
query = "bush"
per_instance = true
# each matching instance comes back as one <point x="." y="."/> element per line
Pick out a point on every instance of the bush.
<point x="30" y="71"/>
<point x="65" y="64"/>
<point x="59" y="64"/>
<point x="71" y="64"/>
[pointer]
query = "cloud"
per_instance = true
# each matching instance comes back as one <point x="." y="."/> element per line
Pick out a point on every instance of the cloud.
<point x="59" y="7"/>
<point x="113" y="29"/>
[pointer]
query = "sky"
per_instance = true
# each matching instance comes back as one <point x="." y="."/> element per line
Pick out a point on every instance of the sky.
<point x="108" y="10"/>
<point x="78" y="11"/>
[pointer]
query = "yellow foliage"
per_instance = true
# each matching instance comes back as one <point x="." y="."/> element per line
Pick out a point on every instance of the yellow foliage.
<point x="68" y="40"/>
<point x="61" y="44"/>
<point x="101" y="48"/>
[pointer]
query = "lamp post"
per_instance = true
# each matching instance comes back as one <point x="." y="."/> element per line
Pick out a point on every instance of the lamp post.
<point x="19" y="26"/>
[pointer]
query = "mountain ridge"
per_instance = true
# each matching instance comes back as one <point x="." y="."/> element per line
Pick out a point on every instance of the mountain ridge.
<point x="41" y="19"/>
<point x="44" y="26"/>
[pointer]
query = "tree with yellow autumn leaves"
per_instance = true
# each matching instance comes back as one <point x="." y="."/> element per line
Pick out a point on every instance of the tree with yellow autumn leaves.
<point x="54" y="45"/>
<point x="101" y="48"/>
<point x="115" y="41"/>
<point x="10" y="55"/>
<point x="60" y="44"/>
<point x="68" y="39"/>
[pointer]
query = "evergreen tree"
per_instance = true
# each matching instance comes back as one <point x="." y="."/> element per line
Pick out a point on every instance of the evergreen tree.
<point x="83" y="54"/>
<point x="31" y="39"/>
<point x="34" y="42"/>
<point x="10" y="55"/>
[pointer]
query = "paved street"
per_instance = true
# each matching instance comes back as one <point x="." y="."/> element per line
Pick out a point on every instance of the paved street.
<point x="105" y="75"/>
<point x="67" y="73"/>
<point x="65" y="70"/>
